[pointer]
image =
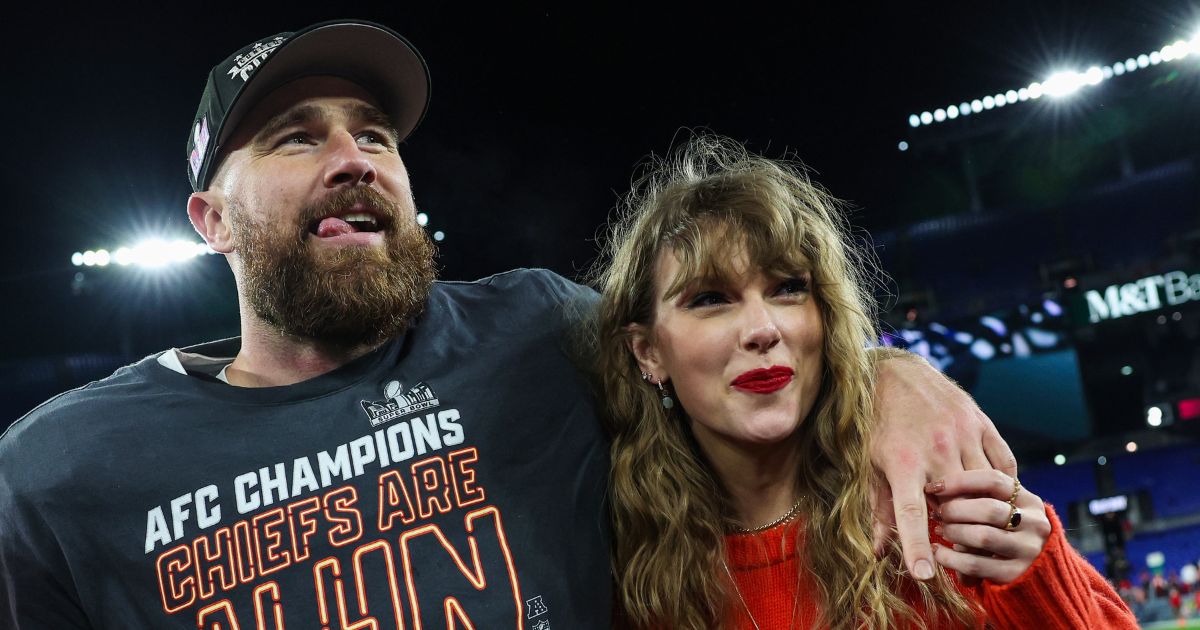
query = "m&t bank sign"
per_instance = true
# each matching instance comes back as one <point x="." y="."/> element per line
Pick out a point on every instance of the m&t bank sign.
<point x="1142" y="296"/>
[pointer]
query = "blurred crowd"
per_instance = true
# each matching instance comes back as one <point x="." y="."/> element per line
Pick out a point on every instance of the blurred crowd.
<point x="1163" y="595"/>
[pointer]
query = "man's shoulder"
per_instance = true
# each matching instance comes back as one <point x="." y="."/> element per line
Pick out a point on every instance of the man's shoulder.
<point x="57" y="422"/>
<point x="520" y="292"/>
<point x="518" y="283"/>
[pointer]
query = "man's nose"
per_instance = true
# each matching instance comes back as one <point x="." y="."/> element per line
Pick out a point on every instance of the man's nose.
<point x="348" y="164"/>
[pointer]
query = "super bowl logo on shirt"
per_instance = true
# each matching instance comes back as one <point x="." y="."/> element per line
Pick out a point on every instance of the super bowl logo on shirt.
<point x="243" y="65"/>
<point x="397" y="404"/>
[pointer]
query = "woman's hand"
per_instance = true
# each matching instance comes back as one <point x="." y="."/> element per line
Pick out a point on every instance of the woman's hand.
<point x="976" y="515"/>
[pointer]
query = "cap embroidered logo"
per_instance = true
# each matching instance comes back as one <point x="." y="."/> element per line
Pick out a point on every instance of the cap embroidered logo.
<point x="243" y="65"/>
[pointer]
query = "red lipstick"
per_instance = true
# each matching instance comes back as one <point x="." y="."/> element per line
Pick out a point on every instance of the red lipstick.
<point x="764" y="380"/>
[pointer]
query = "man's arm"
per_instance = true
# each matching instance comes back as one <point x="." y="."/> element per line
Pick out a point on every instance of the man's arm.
<point x="927" y="427"/>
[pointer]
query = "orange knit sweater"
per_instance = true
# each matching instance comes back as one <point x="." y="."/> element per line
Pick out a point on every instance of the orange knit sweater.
<point x="1059" y="590"/>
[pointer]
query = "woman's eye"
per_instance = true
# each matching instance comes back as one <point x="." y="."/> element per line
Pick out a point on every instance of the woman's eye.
<point x="794" y="285"/>
<point x="706" y="298"/>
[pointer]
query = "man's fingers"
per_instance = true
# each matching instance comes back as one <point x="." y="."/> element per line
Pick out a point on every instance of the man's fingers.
<point x="885" y="519"/>
<point x="999" y="455"/>
<point x="912" y="523"/>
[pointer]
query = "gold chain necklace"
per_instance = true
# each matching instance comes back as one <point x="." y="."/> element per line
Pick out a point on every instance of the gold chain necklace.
<point x="787" y="516"/>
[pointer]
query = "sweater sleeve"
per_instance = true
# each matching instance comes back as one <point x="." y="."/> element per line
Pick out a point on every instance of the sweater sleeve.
<point x="1059" y="590"/>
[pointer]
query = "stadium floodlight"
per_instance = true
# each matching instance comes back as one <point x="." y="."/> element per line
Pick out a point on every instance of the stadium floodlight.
<point x="1067" y="82"/>
<point x="952" y="112"/>
<point x="939" y="114"/>
<point x="1063" y="83"/>
<point x="150" y="253"/>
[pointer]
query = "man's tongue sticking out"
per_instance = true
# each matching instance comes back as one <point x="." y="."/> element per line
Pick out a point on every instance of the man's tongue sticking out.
<point x="333" y="226"/>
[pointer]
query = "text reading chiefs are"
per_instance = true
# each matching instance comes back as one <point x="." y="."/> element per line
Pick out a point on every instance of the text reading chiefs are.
<point x="255" y="489"/>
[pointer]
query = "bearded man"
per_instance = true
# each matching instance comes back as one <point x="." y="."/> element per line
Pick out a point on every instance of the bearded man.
<point x="376" y="449"/>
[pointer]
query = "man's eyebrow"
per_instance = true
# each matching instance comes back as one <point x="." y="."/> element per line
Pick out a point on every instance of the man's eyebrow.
<point x="295" y="116"/>
<point x="371" y="114"/>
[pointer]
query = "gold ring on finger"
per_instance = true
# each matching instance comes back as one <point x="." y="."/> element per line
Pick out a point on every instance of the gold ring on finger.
<point x="1014" y="518"/>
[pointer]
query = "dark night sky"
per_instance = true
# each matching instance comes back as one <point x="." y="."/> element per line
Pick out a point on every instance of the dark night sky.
<point x="538" y="117"/>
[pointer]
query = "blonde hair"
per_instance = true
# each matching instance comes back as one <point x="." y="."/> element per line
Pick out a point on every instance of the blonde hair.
<point x="669" y="509"/>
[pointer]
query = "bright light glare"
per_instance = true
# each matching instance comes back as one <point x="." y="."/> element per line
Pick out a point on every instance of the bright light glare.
<point x="1131" y="447"/>
<point x="422" y="219"/>
<point x="913" y="121"/>
<point x="439" y="236"/>
<point x="1154" y="417"/>
<point x="151" y="253"/>
<point x="1060" y="459"/>
<point x="1063" y="83"/>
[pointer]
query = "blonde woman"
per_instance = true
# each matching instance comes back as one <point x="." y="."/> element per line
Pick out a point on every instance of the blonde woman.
<point x="733" y="341"/>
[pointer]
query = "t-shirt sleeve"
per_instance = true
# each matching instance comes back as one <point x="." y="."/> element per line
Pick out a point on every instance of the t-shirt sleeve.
<point x="36" y="588"/>
<point x="1059" y="590"/>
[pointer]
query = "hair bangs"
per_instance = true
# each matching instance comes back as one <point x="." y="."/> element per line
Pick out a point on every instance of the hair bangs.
<point x="710" y="247"/>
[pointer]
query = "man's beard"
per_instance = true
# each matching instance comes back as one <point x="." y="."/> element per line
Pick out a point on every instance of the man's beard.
<point x="344" y="296"/>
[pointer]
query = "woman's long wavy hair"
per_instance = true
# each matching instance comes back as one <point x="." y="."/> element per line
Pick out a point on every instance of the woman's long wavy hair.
<point x="708" y="200"/>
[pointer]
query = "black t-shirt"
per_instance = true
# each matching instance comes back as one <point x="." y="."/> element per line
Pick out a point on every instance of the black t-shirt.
<point x="454" y="478"/>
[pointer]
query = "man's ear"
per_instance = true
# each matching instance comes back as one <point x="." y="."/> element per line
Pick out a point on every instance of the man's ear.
<point x="645" y="352"/>
<point x="206" y="210"/>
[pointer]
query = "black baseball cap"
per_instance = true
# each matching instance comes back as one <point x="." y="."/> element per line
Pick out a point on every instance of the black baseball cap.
<point x="371" y="55"/>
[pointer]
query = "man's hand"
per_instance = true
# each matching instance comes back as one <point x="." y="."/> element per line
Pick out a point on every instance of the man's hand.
<point x="926" y="429"/>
